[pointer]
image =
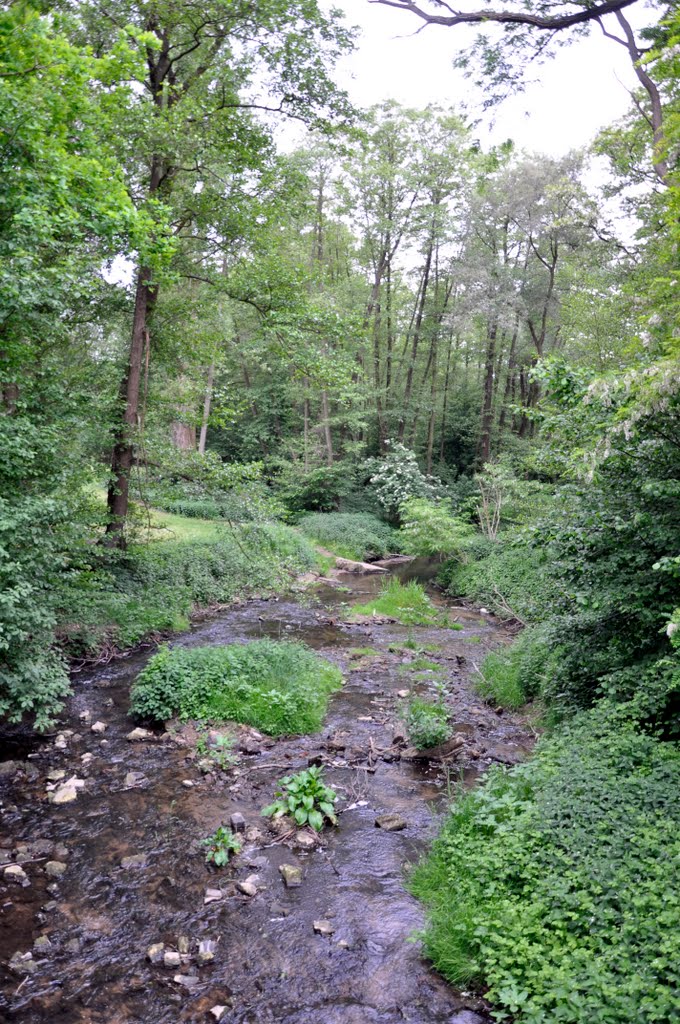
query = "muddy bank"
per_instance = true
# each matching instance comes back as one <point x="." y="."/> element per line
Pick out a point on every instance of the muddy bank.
<point x="88" y="924"/>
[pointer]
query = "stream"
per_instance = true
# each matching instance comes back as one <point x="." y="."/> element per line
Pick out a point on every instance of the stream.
<point x="89" y="927"/>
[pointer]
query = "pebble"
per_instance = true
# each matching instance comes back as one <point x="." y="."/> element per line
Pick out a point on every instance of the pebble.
<point x="390" y="822"/>
<point x="99" y="727"/>
<point x="218" y="1012"/>
<point x="155" y="953"/>
<point x="323" y="927"/>
<point x="135" y="780"/>
<point x="188" y="784"/>
<point x="56" y="775"/>
<point x="292" y="876"/>
<point x="60" y="852"/>
<point x="64" y="794"/>
<point x="212" y="895"/>
<point x="15" y="873"/>
<point x="23" y="963"/>
<point x="247" y="888"/>
<point x="206" y="951"/>
<point x="8" y="768"/>
<point x="305" y="841"/>
<point x="171" y="958"/>
<point x="189" y="981"/>
<point x="85" y="717"/>
<point x="183" y="943"/>
<point x="253" y="835"/>
<point x="137" y="860"/>
<point x="86" y="758"/>
<point x="466" y="1017"/>
<point x="237" y="822"/>
<point x="42" y="944"/>
<point x="137" y="735"/>
<point x="72" y="946"/>
<point x="55" y="868"/>
<point x="402" y="693"/>
<point x="60" y="742"/>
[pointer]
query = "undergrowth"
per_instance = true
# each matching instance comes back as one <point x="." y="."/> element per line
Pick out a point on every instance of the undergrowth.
<point x="355" y="536"/>
<point x="553" y="883"/>
<point x="277" y="687"/>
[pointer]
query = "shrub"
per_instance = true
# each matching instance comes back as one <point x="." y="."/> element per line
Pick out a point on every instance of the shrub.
<point x="280" y="688"/>
<point x="430" y="529"/>
<point x="396" y="477"/>
<point x="426" y="722"/>
<point x="351" y="535"/>
<point x="517" y="673"/>
<point x="220" y="846"/>
<point x="553" y="883"/>
<point x="306" y="798"/>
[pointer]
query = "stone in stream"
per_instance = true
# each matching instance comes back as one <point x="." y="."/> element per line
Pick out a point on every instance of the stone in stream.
<point x="86" y="758"/>
<point x="183" y="944"/>
<point x="212" y="896"/>
<point x="135" y="780"/>
<point x="323" y="927"/>
<point x="99" y="727"/>
<point x="188" y="981"/>
<point x="155" y="953"/>
<point x="137" y="735"/>
<point x="8" y="768"/>
<point x="292" y="876"/>
<point x="73" y="946"/>
<point x="466" y="1017"/>
<point x="55" y="868"/>
<point x="171" y="958"/>
<point x="42" y="944"/>
<point x="137" y="860"/>
<point x="247" y="888"/>
<point x="65" y="794"/>
<point x="237" y="822"/>
<point x="218" y="1012"/>
<point x="390" y="822"/>
<point x="15" y="873"/>
<point x="23" y="963"/>
<point x="305" y="841"/>
<point x="56" y="775"/>
<point x="206" y="951"/>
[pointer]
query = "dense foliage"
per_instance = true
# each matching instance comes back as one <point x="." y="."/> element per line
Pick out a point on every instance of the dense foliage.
<point x="280" y="688"/>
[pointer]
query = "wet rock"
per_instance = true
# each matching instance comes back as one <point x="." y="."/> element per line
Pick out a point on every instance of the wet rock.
<point x="466" y="1017"/>
<point x="64" y="794"/>
<point x="52" y="905"/>
<point x="249" y="745"/>
<point x="247" y="888"/>
<point x="60" y="852"/>
<point x="155" y="953"/>
<point x="42" y="944"/>
<point x="188" y="981"/>
<point x="56" y="775"/>
<point x="43" y="848"/>
<point x="85" y="717"/>
<point x="452" y="746"/>
<point x="292" y="876"/>
<point x="60" y="742"/>
<point x="206" y="951"/>
<point x="278" y="910"/>
<point x="171" y="958"/>
<point x="135" y="780"/>
<point x="99" y="727"/>
<point x="253" y="835"/>
<point x="336" y="743"/>
<point x="16" y="874"/>
<point x="237" y="822"/>
<point x="86" y="758"/>
<point x="183" y="944"/>
<point x="323" y="927"/>
<point x="218" y="1012"/>
<point x="8" y="768"/>
<point x="73" y="946"/>
<point x="137" y="735"/>
<point x="23" y="964"/>
<point x="280" y="825"/>
<point x="137" y="860"/>
<point x="212" y="896"/>
<point x="188" y="783"/>
<point x="55" y="868"/>
<point x="305" y="841"/>
<point x="390" y="822"/>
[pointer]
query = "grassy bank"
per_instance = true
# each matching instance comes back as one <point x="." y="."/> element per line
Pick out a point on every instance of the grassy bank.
<point x="357" y="536"/>
<point x="186" y="564"/>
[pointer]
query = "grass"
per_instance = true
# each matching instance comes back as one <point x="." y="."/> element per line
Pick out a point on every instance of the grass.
<point x="281" y="688"/>
<point x="406" y="603"/>
<point x="499" y="681"/>
<point x="362" y="652"/>
<point x="356" y="536"/>
<point x="426" y="722"/>
<point x="551" y="887"/>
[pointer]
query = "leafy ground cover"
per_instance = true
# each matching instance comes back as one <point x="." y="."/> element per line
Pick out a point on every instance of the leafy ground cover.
<point x="281" y="688"/>
<point x="552" y="883"/>
<point x="407" y="603"/>
<point x="351" y="535"/>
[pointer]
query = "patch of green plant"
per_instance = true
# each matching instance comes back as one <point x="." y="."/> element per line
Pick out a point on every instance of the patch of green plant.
<point x="355" y="536"/>
<point x="220" y="846"/>
<point x="405" y="602"/>
<point x="416" y="645"/>
<point x="430" y="528"/>
<point x="277" y="687"/>
<point x="420" y="664"/>
<point x="306" y="798"/>
<point x="362" y="652"/>
<point x="472" y="639"/>
<point x="553" y="883"/>
<point x="216" y="754"/>
<point x="426" y="722"/>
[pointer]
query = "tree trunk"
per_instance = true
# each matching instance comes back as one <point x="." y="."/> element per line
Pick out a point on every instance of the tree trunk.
<point x="416" y="337"/>
<point x="206" y="409"/>
<point x="487" y="404"/>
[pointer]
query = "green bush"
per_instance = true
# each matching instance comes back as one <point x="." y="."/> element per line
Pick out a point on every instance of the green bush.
<point x="429" y="528"/>
<point x="351" y="535"/>
<point x="554" y="883"/>
<point x="306" y="798"/>
<point x="280" y="688"/>
<point x="518" y="673"/>
<point x="507" y="576"/>
<point x="427" y="723"/>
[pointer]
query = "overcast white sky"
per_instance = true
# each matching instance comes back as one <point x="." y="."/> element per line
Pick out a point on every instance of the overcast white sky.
<point x="581" y="90"/>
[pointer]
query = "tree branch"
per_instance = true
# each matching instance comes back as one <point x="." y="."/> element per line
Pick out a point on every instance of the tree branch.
<point x="549" y="23"/>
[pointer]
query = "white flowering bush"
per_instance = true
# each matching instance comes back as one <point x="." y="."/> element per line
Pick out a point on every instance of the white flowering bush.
<point x="396" y="477"/>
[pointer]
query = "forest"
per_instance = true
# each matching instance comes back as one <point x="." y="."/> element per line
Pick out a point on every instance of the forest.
<point x="228" y="361"/>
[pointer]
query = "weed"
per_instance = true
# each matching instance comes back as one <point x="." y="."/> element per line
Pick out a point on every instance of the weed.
<point x="220" y="846"/>
<point x="426" y="722"/>
<point x="405" y="602"/>
<point x="218" y="754"/>
<point x="306" y="798"/>
<point x="351" y="535"/>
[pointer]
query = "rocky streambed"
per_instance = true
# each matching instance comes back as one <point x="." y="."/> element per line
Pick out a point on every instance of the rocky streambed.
<point x="109" y="913"/>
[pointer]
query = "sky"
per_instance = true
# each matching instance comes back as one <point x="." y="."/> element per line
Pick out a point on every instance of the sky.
<point x="583" y="89"/>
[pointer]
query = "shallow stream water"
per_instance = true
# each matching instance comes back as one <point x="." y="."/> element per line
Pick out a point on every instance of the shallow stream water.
<point x="269" y="964"/>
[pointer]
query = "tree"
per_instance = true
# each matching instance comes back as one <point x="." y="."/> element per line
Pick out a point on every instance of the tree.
<point x="190" y="126"/>
<point x="530" y="35"/>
